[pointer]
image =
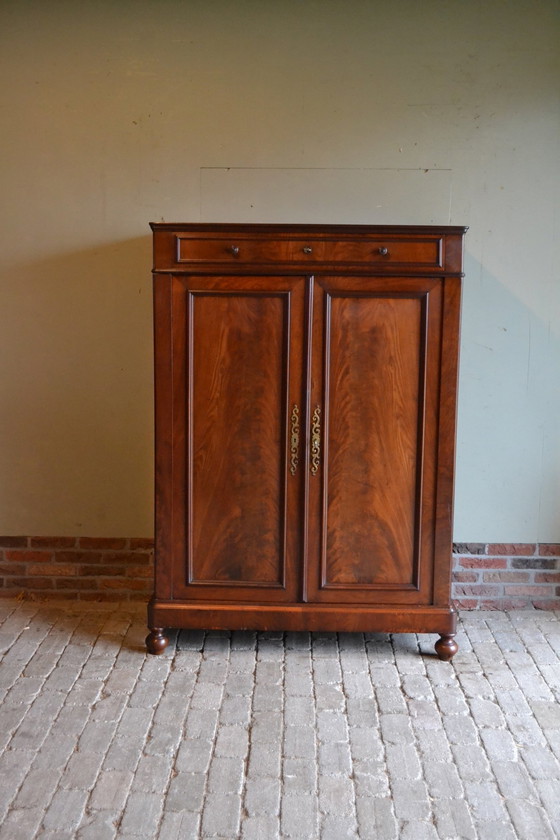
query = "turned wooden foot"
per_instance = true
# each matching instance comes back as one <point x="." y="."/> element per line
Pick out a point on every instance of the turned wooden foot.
<point x="446" y="646"/>
<point x="156" y="640"/>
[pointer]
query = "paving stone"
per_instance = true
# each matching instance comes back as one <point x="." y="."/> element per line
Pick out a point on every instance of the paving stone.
<point x="376" y="818"/>
<point x="411" y="800"/>
<point x="111" y="790"/>
<point x="485" y="801"/>
<point x="226" y="775"/>
<point x="66" y="810"/>
<point x="499" y="744"/>
<point x="262" y="827"/>
<point x="540" y="762"/>
<point x="530" y="820"/>
<point x="142" y="814"/>
<point x="222" y="814"/>
<point x="299" y="815"/>
<point x="336" y="795"/>
<point x="273" y="735"/>
<point x="186" y="792"/>
<point x="262" y="796"/>
<point x="453" y="820"/>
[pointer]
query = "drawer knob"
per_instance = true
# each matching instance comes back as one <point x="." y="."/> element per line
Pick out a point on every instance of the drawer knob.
<point x="234" y="249"/>
<point x="307" y="249"/>
<point x="383" y="251"/>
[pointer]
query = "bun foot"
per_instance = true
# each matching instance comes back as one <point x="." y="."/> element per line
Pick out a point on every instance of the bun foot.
<point x="156" y="641"/>
<point x="446" y="647"/>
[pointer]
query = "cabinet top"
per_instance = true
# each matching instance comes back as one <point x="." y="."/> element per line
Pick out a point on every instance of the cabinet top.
<point x="279" y="228"/>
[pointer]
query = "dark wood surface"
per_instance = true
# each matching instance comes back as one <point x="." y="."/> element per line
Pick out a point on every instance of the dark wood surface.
<point x="342" y="521"/>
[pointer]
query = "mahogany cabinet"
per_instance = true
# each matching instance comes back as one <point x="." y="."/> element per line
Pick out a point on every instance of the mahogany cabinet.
<point x="305" y="389"/>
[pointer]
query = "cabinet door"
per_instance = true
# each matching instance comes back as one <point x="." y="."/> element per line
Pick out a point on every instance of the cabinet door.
<point x="237" y="373"/>
<point x="375" y="391"/>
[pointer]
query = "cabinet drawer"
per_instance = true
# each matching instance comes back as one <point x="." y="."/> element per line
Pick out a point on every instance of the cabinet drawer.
<point x="424" y="251"/>
<point x="241" y="249"/>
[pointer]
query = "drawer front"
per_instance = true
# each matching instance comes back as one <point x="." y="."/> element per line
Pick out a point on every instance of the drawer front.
<point x="422" y="251"/>
<point x="240" y="249"/>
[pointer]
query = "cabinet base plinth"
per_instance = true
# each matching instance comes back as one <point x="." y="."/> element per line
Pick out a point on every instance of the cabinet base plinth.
<point x="302" y="617"/>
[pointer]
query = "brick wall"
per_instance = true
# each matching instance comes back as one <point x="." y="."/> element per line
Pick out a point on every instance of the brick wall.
<point x="501" y="576"/>
<point x="485" y="576"/>
<point x="88" y="568"/>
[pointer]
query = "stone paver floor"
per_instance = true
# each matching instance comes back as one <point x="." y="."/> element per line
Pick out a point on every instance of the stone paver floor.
<point x="269" y="736"/>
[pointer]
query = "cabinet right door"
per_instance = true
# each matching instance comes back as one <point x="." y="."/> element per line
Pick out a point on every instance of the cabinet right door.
<point x="375" y="393"/>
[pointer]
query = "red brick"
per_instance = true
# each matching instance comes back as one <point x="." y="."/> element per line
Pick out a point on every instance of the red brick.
<point x="10" y="593"/>
<point x="96" y="571"/>
<point x="115" y="583"/>
<point x="545" y="549"/>
<point x="512" y="549"/>
<point x="547" y="577"/>
<point x="28" y="556"/>
<point x="73" y="583"/>
<point x="483" y="562"/>
<point x="78" y="557"/>
<point x="465" y="577"/>
<point x="52" y="542"/>
<point x="530" y="591"/>
<point x="12" y="569"/>
<point x="506" y="577"/>
<point x="533" y="563"/>
<point x="13" y="542"/>
<point x="32" y="583"/>
<point x="476" y="589"/>
<point x="51" y="569"/>
<point x="551" y="604"/>
<point x="504" y="604"/>
<point x="135" y="558"/>
<point x="140" y="571"/>
<point x="103" y="543"/>
<point x="466" y="604"/>
<point x="139" y="596"/>
<point x="136" y="543"/>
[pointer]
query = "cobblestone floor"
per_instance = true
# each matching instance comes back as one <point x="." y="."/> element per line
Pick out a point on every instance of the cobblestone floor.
<point x="275" y="736"/>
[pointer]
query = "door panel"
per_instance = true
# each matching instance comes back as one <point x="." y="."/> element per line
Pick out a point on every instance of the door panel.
<point x="238" y="361"/>
<point x="376" y="375"/>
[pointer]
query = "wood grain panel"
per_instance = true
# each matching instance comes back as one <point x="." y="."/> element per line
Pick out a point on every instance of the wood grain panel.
<point x="374" y="374"/>
<point x="238" y="386"/>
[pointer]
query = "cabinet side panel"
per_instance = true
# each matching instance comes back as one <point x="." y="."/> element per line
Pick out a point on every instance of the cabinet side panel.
<point x="237" y="393"/>
<point x="375" y="361"/>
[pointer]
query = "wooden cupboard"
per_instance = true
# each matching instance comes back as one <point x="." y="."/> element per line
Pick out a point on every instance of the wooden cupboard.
<point x="305" y="389"/>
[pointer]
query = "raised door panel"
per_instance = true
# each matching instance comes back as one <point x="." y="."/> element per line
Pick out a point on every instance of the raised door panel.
<point x="237" y="374"/>
<point x="376" y="384"/>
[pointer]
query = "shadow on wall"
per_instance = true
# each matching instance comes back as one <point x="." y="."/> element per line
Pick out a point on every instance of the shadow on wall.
<point x="76" y="395"/>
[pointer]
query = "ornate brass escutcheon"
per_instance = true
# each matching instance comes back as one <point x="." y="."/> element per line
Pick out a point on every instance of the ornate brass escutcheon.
<point x="294" y="440"/>
<point x="315" y="440"/>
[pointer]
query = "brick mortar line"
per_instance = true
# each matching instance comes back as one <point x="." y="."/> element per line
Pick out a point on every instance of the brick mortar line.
<point x="243" y="796"/>
<point x="345" y="712"/>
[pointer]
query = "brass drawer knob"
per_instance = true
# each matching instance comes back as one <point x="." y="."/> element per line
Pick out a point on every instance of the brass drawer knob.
<point x="383" y="251"/>
<point x="307" y="249"/>
<point x="234" y="249"/>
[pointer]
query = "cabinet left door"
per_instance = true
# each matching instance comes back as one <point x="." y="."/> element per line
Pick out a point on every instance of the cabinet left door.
<point x="230" y="374"/>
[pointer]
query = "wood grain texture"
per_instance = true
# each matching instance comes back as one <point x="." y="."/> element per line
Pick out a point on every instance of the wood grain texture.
<point x="238" y="383"/>
<point x="375" y="362"/>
